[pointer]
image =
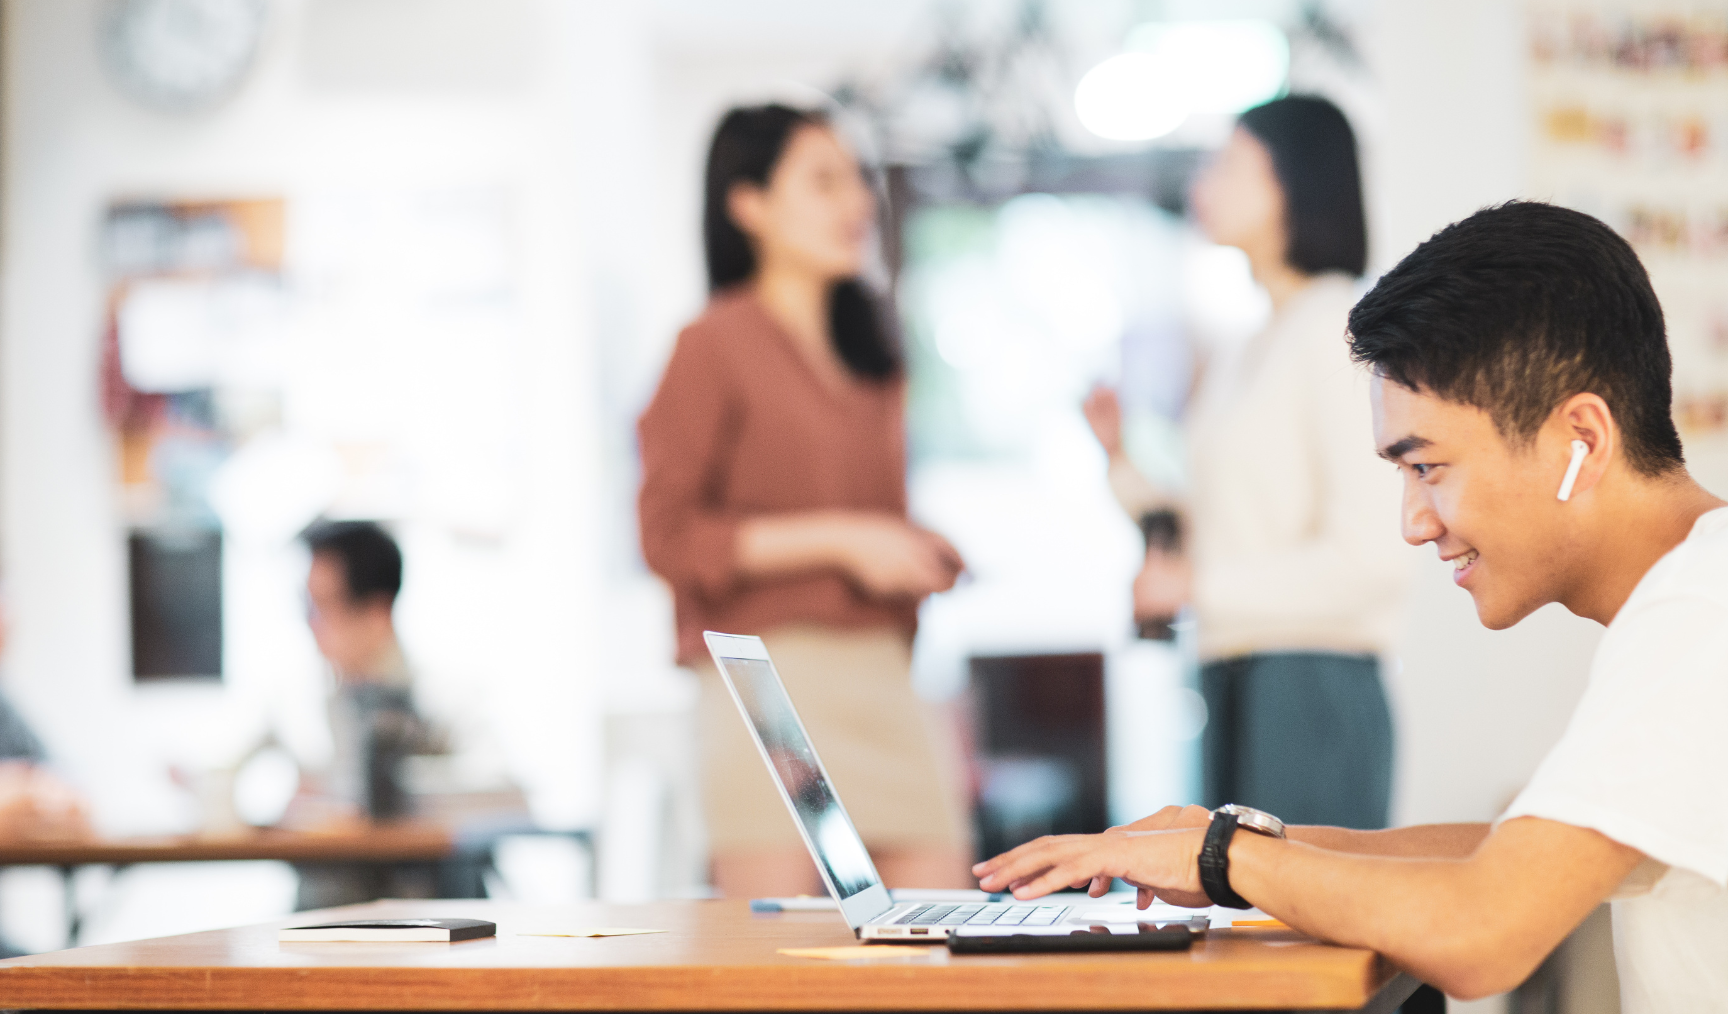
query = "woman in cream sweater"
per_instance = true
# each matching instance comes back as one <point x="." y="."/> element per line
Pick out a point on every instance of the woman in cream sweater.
<point x="1293" y="566"/>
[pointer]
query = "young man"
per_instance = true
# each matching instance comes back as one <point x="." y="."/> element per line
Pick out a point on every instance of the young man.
<point x="1521" y="386"/>
<point x="351" y="589"/>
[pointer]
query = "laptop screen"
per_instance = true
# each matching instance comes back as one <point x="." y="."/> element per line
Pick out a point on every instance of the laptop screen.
<point x="826" y="826"/>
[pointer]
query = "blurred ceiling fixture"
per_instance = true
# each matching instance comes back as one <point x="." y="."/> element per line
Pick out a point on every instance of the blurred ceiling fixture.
<point x="992" y="109"/>
<point x="1131" y="97"/>
<point x="971" y="98"/>
<point x="180" y="55"/>
<point x="1175" y="69"/>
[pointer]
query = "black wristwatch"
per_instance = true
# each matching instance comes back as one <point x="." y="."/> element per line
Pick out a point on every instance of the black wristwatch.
<point x="1215" y="851"/>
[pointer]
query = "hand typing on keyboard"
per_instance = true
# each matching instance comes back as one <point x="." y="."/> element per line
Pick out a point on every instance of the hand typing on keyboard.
<point x="1162" y="864"/>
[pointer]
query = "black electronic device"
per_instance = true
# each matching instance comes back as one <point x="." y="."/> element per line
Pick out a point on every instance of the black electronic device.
<point x="439" y="931"/>
<point x="1162" y="530"/>
<point x="1170" y="937"/>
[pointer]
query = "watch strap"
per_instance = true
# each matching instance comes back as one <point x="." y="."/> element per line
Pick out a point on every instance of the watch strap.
<point x="1215" y="862"/>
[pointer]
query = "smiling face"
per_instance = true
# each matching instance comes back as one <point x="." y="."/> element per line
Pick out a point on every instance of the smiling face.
<point x="1489" y="507"/>
<point x="816" y="212"/>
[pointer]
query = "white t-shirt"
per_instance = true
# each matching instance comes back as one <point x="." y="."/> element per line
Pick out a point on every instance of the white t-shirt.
<point x="1645" y="762"/>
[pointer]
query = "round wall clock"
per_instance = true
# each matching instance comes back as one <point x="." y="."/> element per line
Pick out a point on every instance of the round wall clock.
<point x="180" y="55"/>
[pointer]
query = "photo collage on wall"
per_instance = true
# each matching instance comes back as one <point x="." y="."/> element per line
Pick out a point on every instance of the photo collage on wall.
<point x="1630" y="102"/>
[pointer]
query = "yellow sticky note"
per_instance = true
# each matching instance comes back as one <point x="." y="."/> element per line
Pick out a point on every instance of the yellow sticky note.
<point x="1258" y="924"/>
<point x="859" y="952"/>
<point x="608" y="931"/>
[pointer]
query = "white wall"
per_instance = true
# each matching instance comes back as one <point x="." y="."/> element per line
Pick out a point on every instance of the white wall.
<point x="312" y="119"/>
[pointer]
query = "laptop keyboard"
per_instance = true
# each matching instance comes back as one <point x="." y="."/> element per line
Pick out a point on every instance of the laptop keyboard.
<point x="981" y="914"/>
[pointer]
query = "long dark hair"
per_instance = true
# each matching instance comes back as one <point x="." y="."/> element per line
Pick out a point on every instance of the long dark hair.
<point x="747" y="146"/>
<point x="1314" y="155"/>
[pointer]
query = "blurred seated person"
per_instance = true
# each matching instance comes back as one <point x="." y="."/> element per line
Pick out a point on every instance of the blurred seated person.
<point x="34" y="804"/>
<point x="351" y="588"/>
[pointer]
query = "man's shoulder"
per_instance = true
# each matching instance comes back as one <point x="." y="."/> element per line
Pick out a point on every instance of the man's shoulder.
<point x="1698" y="566"/>
<point x="1671" y="636"/>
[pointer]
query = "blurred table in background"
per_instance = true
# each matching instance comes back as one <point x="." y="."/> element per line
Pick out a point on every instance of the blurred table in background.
<point x="709" y="956"/>
<point x="402" y="842"/>
<point x="380" y="844"/>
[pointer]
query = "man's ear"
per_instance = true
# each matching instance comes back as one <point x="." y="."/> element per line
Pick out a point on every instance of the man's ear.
<point x="1588" y="418"/>
<point x="744" y="206"/>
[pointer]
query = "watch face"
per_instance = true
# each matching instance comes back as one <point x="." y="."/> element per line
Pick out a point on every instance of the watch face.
<point x="180" y="55"/>
<point x="1251" y="819"/>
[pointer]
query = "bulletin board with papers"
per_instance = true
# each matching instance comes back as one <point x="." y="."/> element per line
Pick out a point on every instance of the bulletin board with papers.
<point x="1630" y="108"/>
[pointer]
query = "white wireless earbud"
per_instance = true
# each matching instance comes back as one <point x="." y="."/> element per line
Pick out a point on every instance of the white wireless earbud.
<point x="1579" y="449"/>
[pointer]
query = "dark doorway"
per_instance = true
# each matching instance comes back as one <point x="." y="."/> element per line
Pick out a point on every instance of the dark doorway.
<point x="1039" y="740"/>
<point x="176" y="595"/>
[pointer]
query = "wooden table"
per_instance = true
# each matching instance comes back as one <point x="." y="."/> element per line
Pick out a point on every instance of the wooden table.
<point x="714" y="956"/>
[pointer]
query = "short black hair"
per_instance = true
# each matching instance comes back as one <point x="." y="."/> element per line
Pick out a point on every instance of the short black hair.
<point x="371" y="561"/>
<point x="1313" y="154"/>
<point x="1519" y="307"/>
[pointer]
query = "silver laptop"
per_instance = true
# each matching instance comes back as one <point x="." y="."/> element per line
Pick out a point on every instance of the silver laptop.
<point x="840" y="855"/>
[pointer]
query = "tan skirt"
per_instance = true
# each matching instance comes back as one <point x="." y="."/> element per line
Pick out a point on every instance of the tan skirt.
<point x="894" y="764"/>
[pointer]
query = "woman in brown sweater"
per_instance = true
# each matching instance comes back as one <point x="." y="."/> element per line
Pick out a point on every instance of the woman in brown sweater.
<point x="773" y="502"/>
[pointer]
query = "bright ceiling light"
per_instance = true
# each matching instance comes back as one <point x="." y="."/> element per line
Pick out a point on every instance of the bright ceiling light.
<point x="1177" y="68"/>
<point x="1225" y="66"/>
<point x="1131" y="97"/>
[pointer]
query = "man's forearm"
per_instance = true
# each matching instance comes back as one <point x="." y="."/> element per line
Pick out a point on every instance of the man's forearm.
<point x="1473" y="926"/>
<point x="1414" y="911"/>
<point x="1425" y="841"/>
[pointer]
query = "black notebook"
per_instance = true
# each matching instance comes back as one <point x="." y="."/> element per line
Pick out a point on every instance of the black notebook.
<point x="440" y="931"/>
